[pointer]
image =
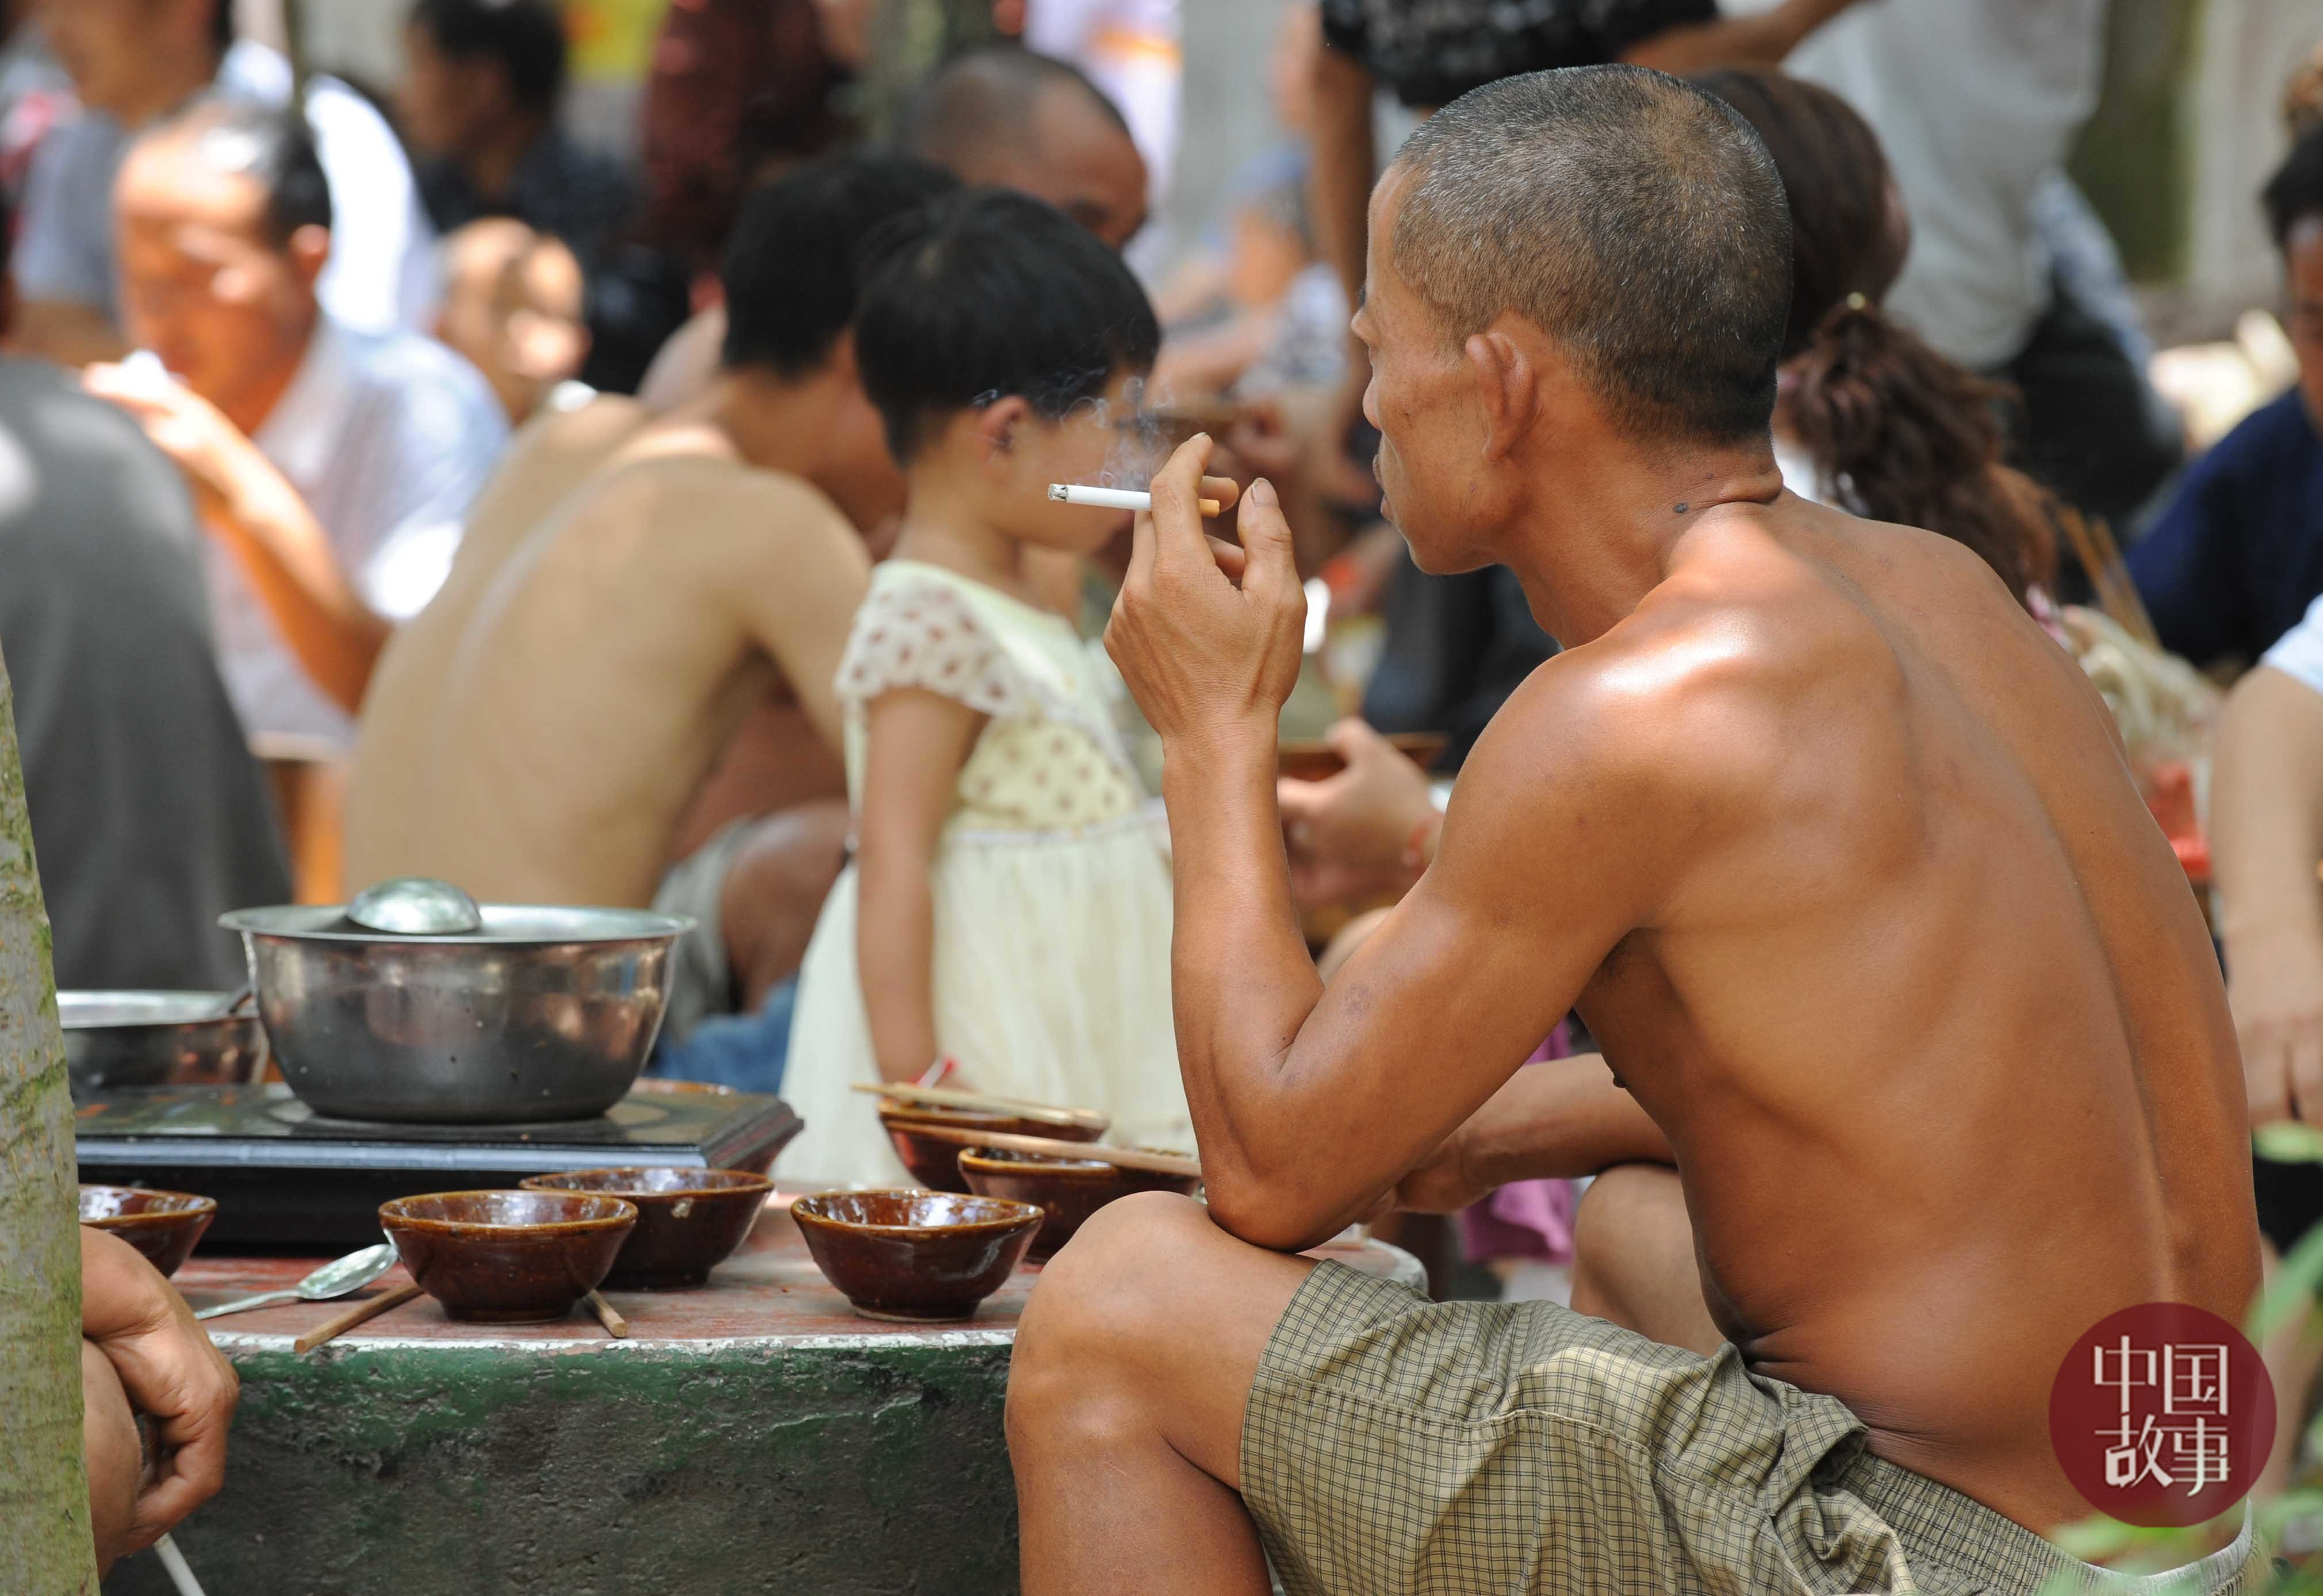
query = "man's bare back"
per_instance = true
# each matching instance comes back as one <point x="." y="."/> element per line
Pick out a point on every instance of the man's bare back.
<point x="610" y="661"/>
<point x="390" y="821"/>
<point x="1927" y="1013"/>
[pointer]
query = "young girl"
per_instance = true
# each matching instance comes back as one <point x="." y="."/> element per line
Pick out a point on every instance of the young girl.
<point x="1008" y="907"/>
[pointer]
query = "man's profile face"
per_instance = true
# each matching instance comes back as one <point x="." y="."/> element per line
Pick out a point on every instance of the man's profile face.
<point x="1081" y="163"/>
<point x="103" y="45"/>
<point x="1421" y="400"/>
<point x="2302" y="256"/>
<point x="203" y="285"/>
<point x="856" y="468"/>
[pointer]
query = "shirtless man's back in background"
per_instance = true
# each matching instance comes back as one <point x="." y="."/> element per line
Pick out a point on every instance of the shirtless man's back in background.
<point x="391" y="823"/>
<point x="1835" y="851"/>
<point x="543" y="738"/>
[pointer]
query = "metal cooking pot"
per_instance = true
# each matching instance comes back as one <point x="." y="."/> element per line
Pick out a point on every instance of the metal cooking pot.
<point x="156" y="1039"/>
<point x="547" y="1014"/>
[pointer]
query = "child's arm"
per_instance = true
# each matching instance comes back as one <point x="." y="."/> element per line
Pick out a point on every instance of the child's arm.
<point x="916" y="743"/>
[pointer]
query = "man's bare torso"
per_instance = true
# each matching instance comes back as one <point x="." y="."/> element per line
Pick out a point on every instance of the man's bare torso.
<point x="608" y="662"/>
<point x="1929" y="1017"/>
<point x="391" y="820"/>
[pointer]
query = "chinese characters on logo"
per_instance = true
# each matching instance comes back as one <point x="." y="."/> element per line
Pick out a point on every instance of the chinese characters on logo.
<point x="2162" y="1414"/>
<point x="2176" y="1398"/>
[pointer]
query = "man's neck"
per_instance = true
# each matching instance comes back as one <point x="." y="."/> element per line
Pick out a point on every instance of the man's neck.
<point x="773" y="423"/>
<point x="492" y="161"/>
<point x="248" y="410"/>
<point x="176" y="79"/>
<point x="1604" y="531"/>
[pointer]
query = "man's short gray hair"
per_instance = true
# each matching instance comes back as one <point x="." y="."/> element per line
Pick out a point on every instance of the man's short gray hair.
<point x="1635" y="219"/>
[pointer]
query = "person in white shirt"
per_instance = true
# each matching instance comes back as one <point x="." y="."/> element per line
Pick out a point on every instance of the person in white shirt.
<point x="1977" y="103"/>
<point x="332" y="467"/>
<point x="134" y="61"/>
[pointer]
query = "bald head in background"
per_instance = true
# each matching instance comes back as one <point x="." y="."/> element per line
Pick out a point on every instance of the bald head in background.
<point x="1008" y="117"/>
<point x="1001" y="115"/>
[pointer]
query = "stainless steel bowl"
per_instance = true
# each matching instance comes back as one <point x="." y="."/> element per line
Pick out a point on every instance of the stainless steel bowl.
<point x="157" y="1038"/>
<point x="547" y="1014"/>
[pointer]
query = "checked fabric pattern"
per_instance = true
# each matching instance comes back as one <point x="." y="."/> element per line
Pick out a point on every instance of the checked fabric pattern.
<point x="1409" y="1448"/>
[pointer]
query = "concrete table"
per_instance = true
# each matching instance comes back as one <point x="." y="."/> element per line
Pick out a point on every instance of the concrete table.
<point x="751" y="1436"/>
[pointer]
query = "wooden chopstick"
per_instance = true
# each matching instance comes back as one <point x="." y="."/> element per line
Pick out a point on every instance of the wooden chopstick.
<point x="606" y="1316"/>
<point x="2108" y="574"/>
<point x="953" y="1097"/>
<point x="371" y="1308"/>
<point x="1127" y="1158"/>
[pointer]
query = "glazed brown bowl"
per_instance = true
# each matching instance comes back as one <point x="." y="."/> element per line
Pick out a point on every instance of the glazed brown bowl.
<point x="920" y="1257"/>
<point x="508" y="1257"/>
<point x="1068" y="1190"/>
<point x="689" y="1221"/>
<point x="163" y="1226"/>
<point x="935" y="1164"/>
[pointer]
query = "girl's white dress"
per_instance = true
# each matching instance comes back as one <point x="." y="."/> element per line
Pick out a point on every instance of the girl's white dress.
<point x="1051" y="888"/>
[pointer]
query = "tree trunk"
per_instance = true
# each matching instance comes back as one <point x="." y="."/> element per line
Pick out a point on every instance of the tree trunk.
<point x="45" y="1549"/>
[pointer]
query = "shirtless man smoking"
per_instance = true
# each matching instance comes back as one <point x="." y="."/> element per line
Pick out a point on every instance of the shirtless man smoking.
<point x="1837" y="855"/>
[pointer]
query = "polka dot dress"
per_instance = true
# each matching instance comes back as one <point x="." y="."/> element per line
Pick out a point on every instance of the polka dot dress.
<point x="1051" y="885"/>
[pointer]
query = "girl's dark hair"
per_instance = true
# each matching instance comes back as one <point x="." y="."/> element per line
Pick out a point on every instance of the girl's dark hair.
<point x="990" y="294"/>
<point x="1898" y="432"/>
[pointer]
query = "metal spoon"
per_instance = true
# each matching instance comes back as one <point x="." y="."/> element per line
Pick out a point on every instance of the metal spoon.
<point x="416" y="906"/>
<point x="334" y="1278"/>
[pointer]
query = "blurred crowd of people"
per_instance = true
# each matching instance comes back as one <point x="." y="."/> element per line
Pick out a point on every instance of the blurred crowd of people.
<point x="672" y="532"/>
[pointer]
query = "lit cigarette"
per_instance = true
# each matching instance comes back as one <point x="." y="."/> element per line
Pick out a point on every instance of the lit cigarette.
<point x="1114" y="498"/>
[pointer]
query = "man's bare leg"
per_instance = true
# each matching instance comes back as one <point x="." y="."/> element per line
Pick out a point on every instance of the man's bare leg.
<point x="1133" y="1364"/>
<point x="1634" y="1262"/>
<point x="772" y="894"/>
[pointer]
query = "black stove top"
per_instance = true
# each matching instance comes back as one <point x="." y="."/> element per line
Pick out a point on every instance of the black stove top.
<point x="286" y="1177"/>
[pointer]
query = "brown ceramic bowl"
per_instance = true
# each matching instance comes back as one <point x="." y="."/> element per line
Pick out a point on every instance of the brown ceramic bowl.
<point x="689" y="1221"/>
<point x="1068" y="1190"/>
<point x="918" y="1256"/>
<point x="163" y="1226"/>
<point x="936" y="1164"/>
<point x="508" y="1257"/>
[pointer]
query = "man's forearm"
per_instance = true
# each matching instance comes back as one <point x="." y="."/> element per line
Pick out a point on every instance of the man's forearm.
<point x="1760" y="40"/>
<point x="1559" y="1120"/>
<point x="268" y="530"/>
<point x="2266" y="819"/>
<point x="1243" y="982"/>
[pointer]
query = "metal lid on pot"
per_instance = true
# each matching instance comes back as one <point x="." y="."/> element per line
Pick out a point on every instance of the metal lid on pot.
<point x="535" y="924"/>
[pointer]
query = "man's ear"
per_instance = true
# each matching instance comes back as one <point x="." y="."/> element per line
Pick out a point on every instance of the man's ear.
<point x="998" y="423"/>
<point x="1508" y="375"/>
<point x="310" y="251"/>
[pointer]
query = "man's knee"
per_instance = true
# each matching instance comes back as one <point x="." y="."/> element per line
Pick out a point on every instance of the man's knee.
<point x="1099" y="1299"/>
<point x="790" y="858"/>
<point x="1622" y="1205"/>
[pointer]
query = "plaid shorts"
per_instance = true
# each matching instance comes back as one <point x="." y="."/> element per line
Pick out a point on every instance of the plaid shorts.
<point x="1401" y="1446"/>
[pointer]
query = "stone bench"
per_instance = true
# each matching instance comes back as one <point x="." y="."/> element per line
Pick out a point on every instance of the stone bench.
<point x="751" y="1436"/>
